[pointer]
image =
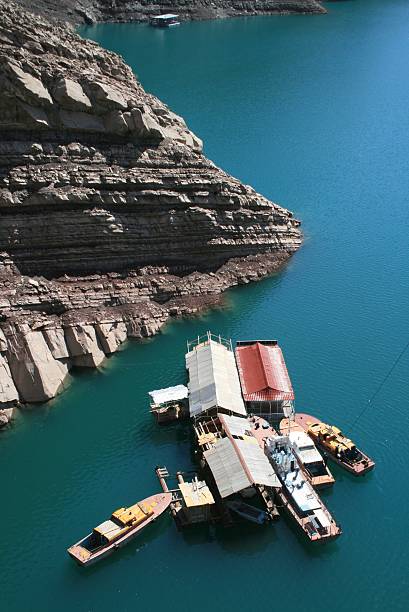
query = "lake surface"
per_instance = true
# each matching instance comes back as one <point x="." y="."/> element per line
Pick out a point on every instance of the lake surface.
<point x="313" y="112"/>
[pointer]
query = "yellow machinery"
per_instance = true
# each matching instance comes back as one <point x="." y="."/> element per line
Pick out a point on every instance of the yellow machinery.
<point x="331" y="438"/>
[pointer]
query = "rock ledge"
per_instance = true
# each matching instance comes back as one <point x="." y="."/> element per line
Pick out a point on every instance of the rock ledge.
<point x="112" y="220"/>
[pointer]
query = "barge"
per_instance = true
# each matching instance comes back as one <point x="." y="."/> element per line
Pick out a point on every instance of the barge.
<point x="338" y="447"/>
<point x="296" y="495"/>
<point x="122" y="527"/>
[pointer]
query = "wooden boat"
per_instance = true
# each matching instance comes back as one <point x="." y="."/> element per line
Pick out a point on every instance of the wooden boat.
<point x="248" y="512"/>
<point x="338" y="447"/>
<point x="296" y="495"/>
<point x="310" y="459"/>
<point x="121" y="528"/>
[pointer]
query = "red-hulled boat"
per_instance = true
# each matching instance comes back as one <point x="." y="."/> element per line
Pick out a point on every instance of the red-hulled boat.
<point x="123" y="525"/>
<point x="338" y="447"/>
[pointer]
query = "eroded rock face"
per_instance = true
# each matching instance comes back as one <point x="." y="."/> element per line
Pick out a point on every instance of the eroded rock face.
<point x="6" y="416"/>
<point x="91" y="11"/>
<point x="112" y="220"/>
<point x="37" y="375"/>
<point x="8" y="392"/>
<point x="111" y="335"/>
<point x="84" y="347"/>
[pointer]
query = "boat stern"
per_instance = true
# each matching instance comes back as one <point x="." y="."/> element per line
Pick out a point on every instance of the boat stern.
<point x="363" y="467"/>
<point x="80" y="554"/>
<point x="322" y="482"/>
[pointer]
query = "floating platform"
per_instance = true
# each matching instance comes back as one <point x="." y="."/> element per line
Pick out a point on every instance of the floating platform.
<point x="238" y="465"/>
<point x="170" y="404"/>
<point x="192" y="502"/>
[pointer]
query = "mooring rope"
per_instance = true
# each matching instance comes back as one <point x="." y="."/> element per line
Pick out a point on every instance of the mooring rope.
<point x="381" y="384"/>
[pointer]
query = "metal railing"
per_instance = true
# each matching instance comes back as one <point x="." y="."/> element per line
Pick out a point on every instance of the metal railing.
<point x="206" y="339"/>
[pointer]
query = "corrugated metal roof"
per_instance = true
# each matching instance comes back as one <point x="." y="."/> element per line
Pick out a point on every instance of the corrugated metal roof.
<point x="213" y="379"/>
<point x="236" y="426"/>
<point x="260" y="468"/>
<point x="228" y="461"/>
<point x="263" y="373"/>
<point x="226" y="468"/>
<point x="170" y="394"/>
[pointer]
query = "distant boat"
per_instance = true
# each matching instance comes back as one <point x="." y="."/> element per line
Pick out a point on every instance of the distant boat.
<point x="121" y="528"/>
<point x="339" y="448"/>
<point x="248" y="512"/>
<point x="165" y="21"/>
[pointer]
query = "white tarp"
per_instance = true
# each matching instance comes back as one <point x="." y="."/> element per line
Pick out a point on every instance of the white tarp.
<point x="170" y="394"/>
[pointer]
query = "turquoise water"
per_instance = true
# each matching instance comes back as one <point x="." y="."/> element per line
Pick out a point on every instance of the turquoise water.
<point x="313" y="112"/>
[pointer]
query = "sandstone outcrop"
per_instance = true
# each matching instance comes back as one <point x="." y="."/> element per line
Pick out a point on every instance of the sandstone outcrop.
<point x="36" y="374"/>
<point x="111" y="218"/>
<point x="6" y="416"/>
<point x="8" y="392"/>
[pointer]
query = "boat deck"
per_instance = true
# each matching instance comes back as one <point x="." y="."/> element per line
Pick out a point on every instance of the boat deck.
<point x="320" y="481"/>
<point x="358" y="469"/>
<point x="262" y="431"/>
<point x="152" y="507"/>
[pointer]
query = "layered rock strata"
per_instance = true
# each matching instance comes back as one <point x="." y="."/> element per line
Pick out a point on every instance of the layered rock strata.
<point x="92" y="11"/>
<point x="111" y="218"/>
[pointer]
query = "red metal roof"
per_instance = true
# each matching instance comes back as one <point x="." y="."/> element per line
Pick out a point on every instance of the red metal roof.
<point x="263" y="373"/>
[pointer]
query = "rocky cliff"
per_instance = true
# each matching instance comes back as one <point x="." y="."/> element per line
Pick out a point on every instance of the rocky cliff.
<point x="111" y="218"/>
<point x="91" y="11"/>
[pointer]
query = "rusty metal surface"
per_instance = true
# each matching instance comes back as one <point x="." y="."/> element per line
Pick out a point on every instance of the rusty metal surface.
<point x="263" y="373"/>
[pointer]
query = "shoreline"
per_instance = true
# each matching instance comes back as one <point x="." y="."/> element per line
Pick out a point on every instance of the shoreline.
<point x="113" y="220"/>
<point x="101" y="11"/>
<point x="42" y="349"/>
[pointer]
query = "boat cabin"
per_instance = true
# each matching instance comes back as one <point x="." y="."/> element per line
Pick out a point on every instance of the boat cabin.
<point x="307" y="453"/>
<point x="165" y="21"/>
